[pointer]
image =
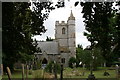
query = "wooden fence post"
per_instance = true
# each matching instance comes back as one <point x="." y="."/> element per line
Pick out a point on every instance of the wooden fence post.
<point x="23" y="72"/>
<point x="1" y="69"/>
<point x="8" y="73"/>
<point x="26" y="72"/>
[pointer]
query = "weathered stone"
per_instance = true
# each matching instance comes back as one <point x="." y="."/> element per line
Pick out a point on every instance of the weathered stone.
<point x="64" y="44"/>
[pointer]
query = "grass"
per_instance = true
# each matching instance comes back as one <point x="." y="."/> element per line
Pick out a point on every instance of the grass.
<point x="78" y="73"/>
<point x="16" y="74"/>
<point x="67" y="73"/>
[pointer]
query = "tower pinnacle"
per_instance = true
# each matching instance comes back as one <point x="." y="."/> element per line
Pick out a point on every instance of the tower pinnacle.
<point x="71" y="16"/>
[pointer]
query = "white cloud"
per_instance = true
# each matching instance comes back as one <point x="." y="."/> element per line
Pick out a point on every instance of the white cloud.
<point x="82" y="40"/>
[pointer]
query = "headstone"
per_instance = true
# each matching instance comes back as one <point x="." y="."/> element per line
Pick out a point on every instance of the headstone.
<point x="8" y="73"/>
<point x="23" y="72"/>
<point x="118" y="71"/>
<point x="104" y="64"/>
<point x="83" y="66"/>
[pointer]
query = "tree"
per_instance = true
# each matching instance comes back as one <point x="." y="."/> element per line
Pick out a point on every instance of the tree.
<point x="97" y="21"/>
<point x="102" y="22"/>
<point x="91" y="58"/>
<point x="19" y="25"/>
<point x="116" y="44"/>
<point x="79" y="51"/>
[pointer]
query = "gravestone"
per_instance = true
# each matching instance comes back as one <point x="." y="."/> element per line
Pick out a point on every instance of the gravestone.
<point x="118" y="71"/>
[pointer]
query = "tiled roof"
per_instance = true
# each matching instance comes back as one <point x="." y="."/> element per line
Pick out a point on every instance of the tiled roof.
<point x="49" y="47"/>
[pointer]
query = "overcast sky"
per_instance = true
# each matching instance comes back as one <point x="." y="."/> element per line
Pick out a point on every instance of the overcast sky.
<point x="62" y="14"/>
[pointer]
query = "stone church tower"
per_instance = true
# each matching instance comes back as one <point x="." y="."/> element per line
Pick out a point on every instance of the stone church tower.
<point x="65" y="35"/>
<point x="63" y="47"/>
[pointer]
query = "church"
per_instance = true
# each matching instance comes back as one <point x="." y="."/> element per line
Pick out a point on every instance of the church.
<point x="63" y="47"/>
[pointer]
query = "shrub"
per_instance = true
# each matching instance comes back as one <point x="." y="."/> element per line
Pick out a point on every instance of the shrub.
<point x="71" y="61"/>
<point x="50" y="67"/>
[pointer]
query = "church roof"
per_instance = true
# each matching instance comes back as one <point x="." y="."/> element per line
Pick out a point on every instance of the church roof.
<point x="49" y="47"/>
<point x="71" y="16"/>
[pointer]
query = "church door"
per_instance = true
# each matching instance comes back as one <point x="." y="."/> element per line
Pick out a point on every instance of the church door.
<point x="44" y="63"/>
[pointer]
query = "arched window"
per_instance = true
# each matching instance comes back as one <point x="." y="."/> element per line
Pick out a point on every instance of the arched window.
<point x="63" y="60"/>
<point x="63" y="30"/>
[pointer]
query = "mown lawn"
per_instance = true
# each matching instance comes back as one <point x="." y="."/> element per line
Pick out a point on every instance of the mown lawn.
<point x="78" y="73"/>
<point x="16" y="74"/>
<point x="67" y="73"/>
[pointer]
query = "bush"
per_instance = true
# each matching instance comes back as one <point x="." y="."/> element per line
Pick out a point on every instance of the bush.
<point x="37" y="65"/>
<point x="49" y="68"/>
<point x="71" y="61"/>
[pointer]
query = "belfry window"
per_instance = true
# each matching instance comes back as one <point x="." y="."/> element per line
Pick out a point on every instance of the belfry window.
<point x="63" y="60"/>
<point x="63" y="30"/>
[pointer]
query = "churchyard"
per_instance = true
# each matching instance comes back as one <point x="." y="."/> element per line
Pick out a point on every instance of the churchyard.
<point x="67" y="73"/>
<point x="59" y="57"/>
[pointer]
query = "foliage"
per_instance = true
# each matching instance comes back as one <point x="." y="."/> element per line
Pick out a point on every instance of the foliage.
<point x="72" y="60"/>
<point x="116" y="44"/>
<point x="49" y="39"/>
<point x="16" y="32"/>
<point x="97" y="58"/>
<point x="19" y="25"/>
<point x="37" y="65"/>
<point x="79" y="51"/>
<point x="86" y="57"/>
<point x="51" y="67"/>
<point x="101" y="30"/>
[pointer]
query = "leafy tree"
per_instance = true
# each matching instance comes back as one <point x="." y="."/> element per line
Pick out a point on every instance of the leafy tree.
<point x="116" y="23"/>
<point x="102" y="22"/>
<point x="20" y="23"/>
<point x="91" y="58"/>
<point x="17" y="32"/>
<point x="50" y="67"/>
<point x="79" y="51"/>
<point x="97" y="21"/>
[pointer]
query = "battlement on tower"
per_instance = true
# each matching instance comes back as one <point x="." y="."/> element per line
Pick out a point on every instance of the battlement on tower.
<point x="58" y="23"/>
